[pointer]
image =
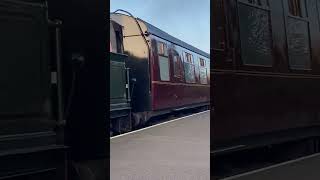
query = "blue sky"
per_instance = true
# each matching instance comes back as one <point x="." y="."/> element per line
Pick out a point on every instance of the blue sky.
<point x="187" y="20"/>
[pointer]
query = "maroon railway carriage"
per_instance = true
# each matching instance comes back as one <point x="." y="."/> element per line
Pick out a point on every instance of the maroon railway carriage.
<point x="266" y="72"/>
<point x="169" y="74"/>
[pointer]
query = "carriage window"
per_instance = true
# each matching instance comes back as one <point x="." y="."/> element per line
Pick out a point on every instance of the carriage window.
<point x="119" y="41"/>
<point x="116" y="36"/>
<point x="162" y="49"/>
<point x="189" y="58"/>
<point x="189" y="68"/>
<point x="177" y="65"/>
<point x="256" y="36"/>
<point x="203" y="72"/>
<point x="203" y="76"/>
<point x="297" y="8"/>
<point x="163" y="62"/>
<point x="113" y="40"/>
<point x="202" y="63"/>
<point x="298" y="36"/>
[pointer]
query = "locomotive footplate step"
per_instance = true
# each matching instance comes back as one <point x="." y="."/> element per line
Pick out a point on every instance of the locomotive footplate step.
<point x="302" y="168"/>
<point x="179" y="150"/>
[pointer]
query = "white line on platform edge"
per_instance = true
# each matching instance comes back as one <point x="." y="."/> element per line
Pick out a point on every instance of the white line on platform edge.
<point x="272" y="167"/>
<point x="228" y="149"/>
<point x="158" y="124"/>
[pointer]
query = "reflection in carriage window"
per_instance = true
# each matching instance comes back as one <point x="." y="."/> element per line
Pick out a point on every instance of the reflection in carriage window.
<point x="203" y="72"/>
<point x="202" y="63"/>
<point x="298" y="36"/>
<point x="189" y="68"/>
<point x="256" y="35"/>
<point x="189" y="58"/>
<point x="177" y="65"/>
<point x="297" y="8"/>
<point x="162" y="49"/>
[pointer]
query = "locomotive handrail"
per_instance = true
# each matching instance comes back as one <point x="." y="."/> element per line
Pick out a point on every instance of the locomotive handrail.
<point x="128" y="84"/>
<point x="57" y="24"/>
<point x="57" y="35"/>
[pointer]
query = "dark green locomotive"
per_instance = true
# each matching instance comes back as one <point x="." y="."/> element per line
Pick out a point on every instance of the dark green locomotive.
<point x="120" y="107"/>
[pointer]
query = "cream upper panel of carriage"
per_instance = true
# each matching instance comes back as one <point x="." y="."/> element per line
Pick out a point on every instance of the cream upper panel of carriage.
<point x="134" y="44"/>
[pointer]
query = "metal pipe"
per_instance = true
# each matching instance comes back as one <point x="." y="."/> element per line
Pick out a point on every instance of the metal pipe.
<point x="57" y="33"/>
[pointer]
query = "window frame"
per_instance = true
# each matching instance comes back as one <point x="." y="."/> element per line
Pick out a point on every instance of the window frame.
<point x="164" y="54"/>
<point x="202" y="60"/>
<point x="164" y="49"/>
<point x="201" y="67"/>
<point x="299" y="7"/>
<point x="303" y="18"/>
<point x="177" y="66"/>
<point x="241" y="64"/>
<point x="119" y="47"/>
<point x="256" y="5"/>
<point x="186" y="60"/>
<point x="189" y="60"/>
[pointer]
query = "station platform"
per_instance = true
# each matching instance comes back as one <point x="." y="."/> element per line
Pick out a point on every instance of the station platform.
<point x="302" y="168"/>
<point x="174" y="150"/>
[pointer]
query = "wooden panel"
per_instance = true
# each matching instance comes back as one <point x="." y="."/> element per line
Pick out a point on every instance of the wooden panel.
<point x="171" y="95"/>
